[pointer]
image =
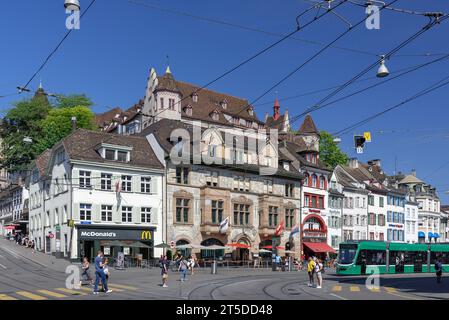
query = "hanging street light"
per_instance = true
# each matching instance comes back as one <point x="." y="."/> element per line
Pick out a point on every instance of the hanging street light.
<point x="383" y="70"/>
<point x="337" y="140"/>
<point x="72" y="5"/>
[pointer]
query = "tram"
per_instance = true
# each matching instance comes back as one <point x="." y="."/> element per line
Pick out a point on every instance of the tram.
<point x="367" y="257"/>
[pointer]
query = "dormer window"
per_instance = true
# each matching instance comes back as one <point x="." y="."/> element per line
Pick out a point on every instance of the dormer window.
<point x="188" y="110"/>
<point x="195" y="97"/>
<point x="215" y="116"/>
<point x="249" y="124"/>
<point x="224" y="104"/>
<point x="115" y="153"/>
<point x="251" y="111"/>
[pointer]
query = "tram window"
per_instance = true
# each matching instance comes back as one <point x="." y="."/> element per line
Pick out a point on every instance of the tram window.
<point x="444" y="256"/>
<point x="373" y="257"/>
<point x="407" y="257"/>
<point x="347" y="253"/>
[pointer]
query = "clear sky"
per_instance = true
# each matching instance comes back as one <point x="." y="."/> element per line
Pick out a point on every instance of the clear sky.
<point x="109" y="59"/>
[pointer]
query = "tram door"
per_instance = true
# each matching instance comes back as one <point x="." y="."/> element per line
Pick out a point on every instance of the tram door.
<point x="399" y="262"/>
<point x="419" y="259"/>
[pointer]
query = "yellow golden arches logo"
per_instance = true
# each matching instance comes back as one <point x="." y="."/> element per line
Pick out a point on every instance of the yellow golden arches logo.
<point x="145" y="235"/>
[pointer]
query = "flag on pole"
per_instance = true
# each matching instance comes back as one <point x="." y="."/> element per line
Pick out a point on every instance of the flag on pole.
<point x="279" y="229"/>
<point x="294" y="231"/>
<point x="224" y="225"/>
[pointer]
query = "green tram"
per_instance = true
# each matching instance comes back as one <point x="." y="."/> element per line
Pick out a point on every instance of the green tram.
<point x="366" y="257"/>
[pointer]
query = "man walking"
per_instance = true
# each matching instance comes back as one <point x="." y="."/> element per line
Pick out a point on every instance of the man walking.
<point x="99" y="273"/>
<point x="439" y="270"/>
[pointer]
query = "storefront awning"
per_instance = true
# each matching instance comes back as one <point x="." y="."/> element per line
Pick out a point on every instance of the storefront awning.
<point x="436" y="235"/>
<point x="319" y="247"/>
<point x="238" y="245"/>
<point x="430" y="235"/>
<point x="421" y="234"/>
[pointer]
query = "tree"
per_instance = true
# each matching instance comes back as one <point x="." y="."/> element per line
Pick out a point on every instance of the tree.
<point x="330" y="153"/>
<point x="58" y="123"/>
<point x="44" y="121"/>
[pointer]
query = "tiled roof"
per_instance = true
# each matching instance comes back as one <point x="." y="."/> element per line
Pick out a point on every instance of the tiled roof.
<point x="42" y="161"/>
<point x="82" y="145"/>
<point x="275" y="124"/>
<point x="308" y="126"/>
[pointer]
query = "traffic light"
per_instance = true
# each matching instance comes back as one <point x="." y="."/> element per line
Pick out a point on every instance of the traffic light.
<point x="359" y="142"/>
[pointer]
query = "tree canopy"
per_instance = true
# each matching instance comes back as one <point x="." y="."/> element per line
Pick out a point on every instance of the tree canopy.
<point x="330" y="153"/>
<point x="44" y="122"/>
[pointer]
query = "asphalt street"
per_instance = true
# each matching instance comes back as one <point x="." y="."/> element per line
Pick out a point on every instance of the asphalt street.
<point x="25" y="275"/>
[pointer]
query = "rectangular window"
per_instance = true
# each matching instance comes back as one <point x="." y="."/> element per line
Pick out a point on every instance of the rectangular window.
<point x="106" y="213"/>
<point x="145" y="215"/>
<point x="122" y="156"/>
<point x="85" y="181"/>
<point x="161" y="103"/>
<point x="268" y="186"/>
<point x="381" y="202"/>
<point x="127" y="214"/>
<point x="182" y="210"/>
<point x="212" y="179"/>
<point x="289" y="188"/>
<point x="371" y="235"/>
<point x="371" y="200"/>
<point x="126" y="183"/>
<point x="106" y="181"/>
<point x="372" y="219"/>
<point x="171" y="104"/>
<point x="307" y="200"/>
<point x="182" y="175"/>
<point x="109" y="154"/>
<point x="289" y="218"/>
<point x="273" y="216"/>
<point x="241" y="214"/>
<point x="85" y="212"/>
<point x="217" y="211"/>
<point x="145" y="184"/>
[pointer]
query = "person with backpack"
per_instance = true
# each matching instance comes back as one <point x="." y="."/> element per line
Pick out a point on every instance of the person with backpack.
<point x="439" y="270"/>
<point x="183" y="267"/>
<point x="163" y="264"/>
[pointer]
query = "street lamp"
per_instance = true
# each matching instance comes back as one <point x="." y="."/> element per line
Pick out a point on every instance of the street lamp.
<point x="72" y="5"/>
<point x="337" y="140"/>
<point x="383" y="70"/>
<point x="27" y="140"/>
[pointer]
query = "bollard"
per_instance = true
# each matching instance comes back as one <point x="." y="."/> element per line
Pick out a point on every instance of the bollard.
<point x="213" y="267"/>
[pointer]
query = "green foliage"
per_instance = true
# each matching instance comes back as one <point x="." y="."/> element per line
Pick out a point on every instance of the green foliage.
<point x="45" y="123"/>
<point x="330" y="153"/>
<point x="58" y="124"/>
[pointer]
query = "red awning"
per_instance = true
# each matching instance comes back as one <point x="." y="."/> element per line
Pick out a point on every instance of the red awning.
<point x="238" y="245"/>
<point x="9" y="227"/>
<point x="319" y="247"/>
<point x="271" y="247"/>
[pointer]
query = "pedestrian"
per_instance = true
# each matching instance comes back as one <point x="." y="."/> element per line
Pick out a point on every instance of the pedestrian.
<point x="164" y="271"/>
<point x="191" y="265"/>
<point x="106" y="272"/>
<point x="183" y="267"/>
<point x="318" y="271"/>
<point x="310" y="269"/>
<point x="99" y="274"/>
<point x="85" y="276"/>
<point x="278" y="262"/>
<point x="439" y="270"/>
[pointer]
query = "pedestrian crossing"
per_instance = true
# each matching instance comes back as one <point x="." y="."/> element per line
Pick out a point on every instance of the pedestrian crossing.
<point x="59" y="293"/>
<point x="357" y="288"/>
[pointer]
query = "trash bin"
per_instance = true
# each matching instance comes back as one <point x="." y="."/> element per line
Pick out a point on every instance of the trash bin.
<point x="213" y="267"/>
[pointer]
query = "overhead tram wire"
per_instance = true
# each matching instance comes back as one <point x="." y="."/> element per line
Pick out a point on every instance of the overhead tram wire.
<point x="352" y="27"/>
<point x="320" y="105"/>
<point x="437" y="85"/>
<point x="55" y="49"/>
<point x="242" y="27"/>
<point x="299" y="28"/>
<point x="411" y="68"/>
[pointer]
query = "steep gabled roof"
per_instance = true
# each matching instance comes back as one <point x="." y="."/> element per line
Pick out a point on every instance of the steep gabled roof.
<point x="308" y="126"/>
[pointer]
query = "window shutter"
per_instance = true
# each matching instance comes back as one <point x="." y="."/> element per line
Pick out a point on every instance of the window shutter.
<point x="154" y="185"/>
<point x="154" y="215"/>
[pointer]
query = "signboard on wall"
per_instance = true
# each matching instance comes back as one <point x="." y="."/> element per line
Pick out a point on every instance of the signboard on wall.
<point x="115" y="234"/>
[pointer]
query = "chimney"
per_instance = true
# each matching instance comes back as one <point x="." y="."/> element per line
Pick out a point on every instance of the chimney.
<point x="375" y="162"/>
<point x="353" y="163"/>
<point x="74" y="125"/>
<point x="413" y="172"/>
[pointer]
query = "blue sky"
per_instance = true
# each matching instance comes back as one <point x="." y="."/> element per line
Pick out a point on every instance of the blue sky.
<point x="110" y="56"/>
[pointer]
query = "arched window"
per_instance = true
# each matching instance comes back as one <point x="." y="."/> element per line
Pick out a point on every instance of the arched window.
<point x="306" y="179"/>
<point x="322" y="180"/>
<point x="313" y="224"/>
<point x="314" y="181"/>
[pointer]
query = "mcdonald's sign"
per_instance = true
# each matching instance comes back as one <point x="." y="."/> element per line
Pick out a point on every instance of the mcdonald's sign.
<point x="145" y="235"/>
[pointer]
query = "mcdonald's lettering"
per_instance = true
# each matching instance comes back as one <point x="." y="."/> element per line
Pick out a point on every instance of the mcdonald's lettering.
<point x="145" y="235"/>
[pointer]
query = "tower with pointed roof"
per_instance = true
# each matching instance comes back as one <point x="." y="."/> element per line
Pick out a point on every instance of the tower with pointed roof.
<point x="310" y="135"/>
<point x="278" y="121"/>
<point x="162" y="98"/>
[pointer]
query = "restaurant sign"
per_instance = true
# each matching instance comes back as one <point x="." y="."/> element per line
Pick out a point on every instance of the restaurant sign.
<point x="116" y="234"/>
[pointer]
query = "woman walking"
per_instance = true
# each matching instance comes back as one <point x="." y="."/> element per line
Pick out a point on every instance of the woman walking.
<point x="85" y="276"/>
<point x="183" y="267"/>
<point x="164" y="271"/>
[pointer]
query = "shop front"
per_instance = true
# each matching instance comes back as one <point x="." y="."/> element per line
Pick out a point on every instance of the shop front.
<point x="135" y="243"/>
<point x="314" y="238"/>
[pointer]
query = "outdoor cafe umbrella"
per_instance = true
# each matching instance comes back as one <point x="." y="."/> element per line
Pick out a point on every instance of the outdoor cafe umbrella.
<point x="264" y="251"/>
<point x="162" y="245"/>
<point x="139" y="244"/>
